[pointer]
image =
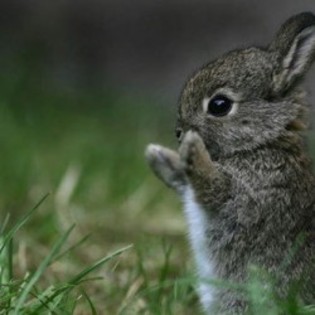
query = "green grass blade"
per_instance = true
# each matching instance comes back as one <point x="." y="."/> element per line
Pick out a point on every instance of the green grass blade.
<point x="71" y="248"/>
<point x="5" y="223"/>
<point x="97" y="264"/>
<point x="34" y="278"/>
<point x="10" y="269"/>
<point x="9" y="235"/>
<point x="92" y="307"/>
<point x="79" y="278"/>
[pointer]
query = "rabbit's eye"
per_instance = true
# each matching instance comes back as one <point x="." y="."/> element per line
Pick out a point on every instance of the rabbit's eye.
<point x="219" y="105"/>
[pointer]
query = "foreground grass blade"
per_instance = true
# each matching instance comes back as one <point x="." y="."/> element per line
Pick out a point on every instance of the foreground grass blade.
<point x="9" y="235"/>
<point x="76" y="280"/>
<point x="97" y="264"/>
<point x="34" y="278"/>
<point x="92" y="307"/>
<point x="5" y="223"/>
<point x="71" y="248"/>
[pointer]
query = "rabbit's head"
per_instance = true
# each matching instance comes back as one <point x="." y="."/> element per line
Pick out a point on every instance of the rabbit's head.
<point x="250" y="97"/>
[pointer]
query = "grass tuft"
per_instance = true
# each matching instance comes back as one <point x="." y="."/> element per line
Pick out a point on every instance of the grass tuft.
<point x="22" y="296"/>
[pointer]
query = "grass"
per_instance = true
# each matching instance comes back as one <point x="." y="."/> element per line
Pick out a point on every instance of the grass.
<point x="85" y="148"/>
<point x="23" y="296"/>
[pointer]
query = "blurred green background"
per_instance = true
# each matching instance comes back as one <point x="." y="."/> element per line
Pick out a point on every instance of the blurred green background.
<point x="84" y="87"/>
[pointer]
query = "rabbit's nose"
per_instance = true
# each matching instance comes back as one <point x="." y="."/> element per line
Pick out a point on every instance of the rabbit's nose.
<point x="179" y="134"/>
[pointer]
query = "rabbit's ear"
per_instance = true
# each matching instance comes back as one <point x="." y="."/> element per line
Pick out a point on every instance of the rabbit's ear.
<point x="294" y="48"/>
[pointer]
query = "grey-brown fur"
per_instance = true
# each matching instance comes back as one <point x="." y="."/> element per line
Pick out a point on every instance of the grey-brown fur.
<point x="249" y="170"/>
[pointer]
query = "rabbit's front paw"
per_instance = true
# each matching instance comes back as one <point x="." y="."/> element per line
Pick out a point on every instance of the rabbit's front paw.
<point x="194" y="155"/>
<point x="167" y="166"/>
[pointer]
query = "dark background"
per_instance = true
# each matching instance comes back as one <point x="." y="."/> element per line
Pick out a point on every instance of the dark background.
<point x="148" y="46"/>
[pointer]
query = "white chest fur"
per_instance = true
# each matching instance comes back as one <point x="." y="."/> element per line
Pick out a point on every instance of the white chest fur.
<point x="197" y="226"/>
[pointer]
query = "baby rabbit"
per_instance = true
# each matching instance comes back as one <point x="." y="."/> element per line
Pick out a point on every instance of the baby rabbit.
<point x="241" y="168"/>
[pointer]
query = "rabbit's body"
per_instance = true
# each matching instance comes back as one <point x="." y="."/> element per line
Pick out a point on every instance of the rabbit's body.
<point x="242" y="171"/>
<point x="257" y="224"/>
